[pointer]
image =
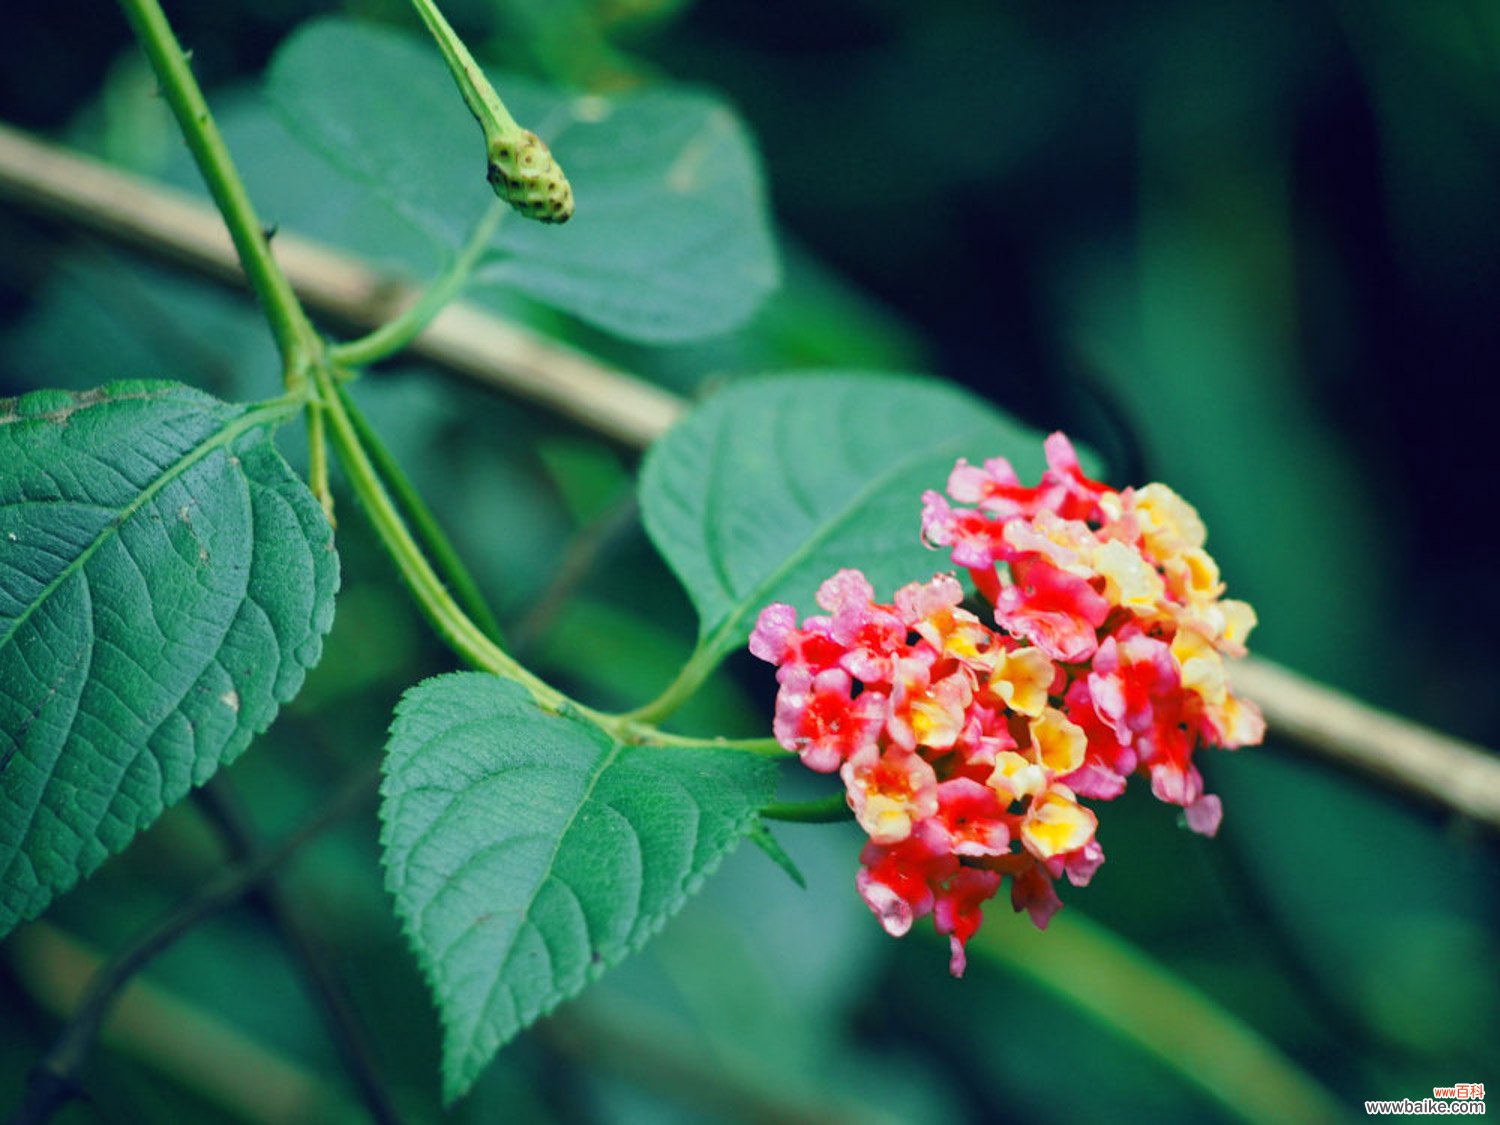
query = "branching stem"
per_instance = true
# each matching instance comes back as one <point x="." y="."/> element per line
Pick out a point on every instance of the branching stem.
<point x="125" y="209"/>
<point x="394" y="335"/>
<point x="456" y="628"/>
<point x="445" y="558"/>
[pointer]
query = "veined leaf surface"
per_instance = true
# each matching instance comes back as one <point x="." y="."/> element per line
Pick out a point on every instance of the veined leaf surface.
<point x="528" y="852"/>
<point x="769" y="487"/>
<point x="165" y="583"/>
<point x="670" y="241"/>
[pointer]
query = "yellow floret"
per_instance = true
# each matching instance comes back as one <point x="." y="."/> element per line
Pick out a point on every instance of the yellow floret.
<point x="1057" y="824"/>
<point x="1130" y="581"/>
<point x="1202" y="668"/>
<point x="887" y="820"/>
<point x="1057" y="742"/>
<point x="1016" y="776"/>
<point x="1022" y="678"/>
<point x="1169" y="524"/>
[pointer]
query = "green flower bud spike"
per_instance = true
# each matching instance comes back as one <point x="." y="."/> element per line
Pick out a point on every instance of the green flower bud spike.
<point x="525" y="174"/>
<point x="522" y="170"/>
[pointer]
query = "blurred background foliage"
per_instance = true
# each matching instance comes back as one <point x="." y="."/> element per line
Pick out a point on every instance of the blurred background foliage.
<point x="1249" y="248"/>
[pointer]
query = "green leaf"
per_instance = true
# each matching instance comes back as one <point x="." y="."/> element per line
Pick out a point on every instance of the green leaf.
<point x="766" y="489"/>
<point x="670" y="241"/>
<point x="165" y="583"/>
<point x="527" y="852"/>
<point x="762" y="838"/>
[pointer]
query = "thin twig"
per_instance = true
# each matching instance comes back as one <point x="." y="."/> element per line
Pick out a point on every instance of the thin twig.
<point x="1184" y="1030"/>
<point x="1457" y="774"/>
<point x="54" y="1079"/>
<point x="583" y="552"/>
<point x="219" y="801"/>
<point x="173" y="226"/>
<point x="470" y="342"/>
<point x="179" y="1039"/>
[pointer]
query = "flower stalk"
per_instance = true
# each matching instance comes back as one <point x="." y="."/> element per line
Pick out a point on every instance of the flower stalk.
<point x="522" y="169"/>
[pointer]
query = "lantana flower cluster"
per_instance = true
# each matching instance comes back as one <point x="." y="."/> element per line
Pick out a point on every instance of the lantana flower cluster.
<point x="967" y="750"/>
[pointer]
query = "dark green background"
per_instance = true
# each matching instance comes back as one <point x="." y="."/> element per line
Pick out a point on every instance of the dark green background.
<point x="1249" y="248"/>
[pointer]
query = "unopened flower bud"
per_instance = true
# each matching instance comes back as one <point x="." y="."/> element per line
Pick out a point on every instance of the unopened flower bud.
<point x="524" y="173"/>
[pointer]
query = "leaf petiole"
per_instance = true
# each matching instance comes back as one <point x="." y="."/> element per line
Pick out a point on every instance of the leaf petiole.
<point x="823" y="810"/>
<point x="397" y="333"/>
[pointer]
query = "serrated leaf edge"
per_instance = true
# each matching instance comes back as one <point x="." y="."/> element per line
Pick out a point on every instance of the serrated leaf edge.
<point x="259" y="415"/>
<point x="266" y="414"/>
<point x="454" y="1087"/>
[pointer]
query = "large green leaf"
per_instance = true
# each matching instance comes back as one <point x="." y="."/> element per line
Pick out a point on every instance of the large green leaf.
<point x="768" y="488"/>
<point x="165" y="583"/>
<point x="527" y="852"/>
<point x="670" y="240"/>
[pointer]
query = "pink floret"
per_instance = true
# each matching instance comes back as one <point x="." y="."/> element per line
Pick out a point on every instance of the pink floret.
<point x="956" y="910"/>
<point x="1032" y="892"/>
<point x="773" y="630"/>
<point x="1205" y="814"/>
<point x="919" y="600"/>
<point x="818" y="719"/>
<point x="970" y="819"/>
<point x="848" y="588"/>
<point x="1056" y="611"/>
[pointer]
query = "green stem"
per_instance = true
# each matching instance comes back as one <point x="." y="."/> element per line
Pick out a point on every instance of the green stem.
<point x="640" y="732"/>
<point x="1121" y="988"/>
<point x="689" y="679"/>
<point x="825" y="810"/>
<point x="477" y="92"/>
<point x="451" y="623"/>
<point x="317" y="459"/>
<point x="445" y="558"/>
<point x="296" y="340"/>
<point x="394" y="335"/>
